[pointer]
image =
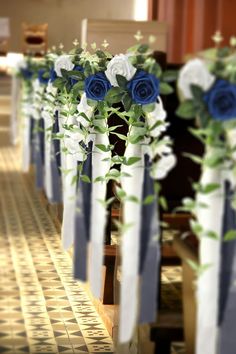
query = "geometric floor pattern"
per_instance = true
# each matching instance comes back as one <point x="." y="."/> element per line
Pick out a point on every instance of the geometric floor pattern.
<point x="42" y="308"/>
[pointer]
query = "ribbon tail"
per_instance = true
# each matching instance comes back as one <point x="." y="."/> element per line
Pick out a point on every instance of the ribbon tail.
<point x="98" y="215"/>
<point x="15" y="91"/>
<point x="227" y="303"/>
<point x="130" y="246"/>
<point x="26" y="148"/>
<point x="208" y="283"/>
<point x="68" y="221"/>
<point x="82" y="221"/>
<point x="149" y="253"/>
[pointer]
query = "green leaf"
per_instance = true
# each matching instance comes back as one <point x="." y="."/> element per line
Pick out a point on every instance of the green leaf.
<point x="127" y="102"/>
<point x="155" y="69"/>
<point x="92" y="103"/>
<point x="230" y="235"/>
<point x="99" y="179"/>
<point x="132" y="198"/>
<point x="197" y="93"/>
<point x="102" y="147"/>
<point x="211" y="234"/>
<point x="149" y="199"/>
<point x="186" y="110"/>
<point x="194" y="158"/>
<point x="165" y="89"/>
<point x="209" y="188"/>
<point x="59" y="83"/>
<point x="169" y="75"/>
<point x="199" y="269"/>
<point x="85" y="178"/>
<point x="223" y="52"/>
<point x="163" y="203"/>
<point x="114" y="95"/>
<point x="79" y="86"/>
<point x="136" y="109"/>
<point x="143" y="48"/>
<point x="120" y="193"/>
<point x="121" y="136"/>
<point x="64" y="73"/>
<point x="75" y="74"/>
<point x="100" y="54"/>
<point x="147" y="108"/>
<point x="121" y="80"/>
<point x="131" y="160"/>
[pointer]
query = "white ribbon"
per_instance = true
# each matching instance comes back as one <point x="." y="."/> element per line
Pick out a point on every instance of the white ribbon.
<point x="15" y="95"/>
<point x="211" y="218"/>
<point x="71" y="142"/>
<point x="48" y="116"/>
<point x="98" y="213"/>
<point x="26" y="150"/>
<point x="26" y="110"/>
<point x="130" y="244"/>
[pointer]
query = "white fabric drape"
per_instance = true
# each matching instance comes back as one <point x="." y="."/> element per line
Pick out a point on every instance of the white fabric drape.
<point x="70" y="161"/>
<point x="98" y="213"/>
<point x="15" y="95"/>
<point x="211" y="218"/>
<point x="130" y="244"/>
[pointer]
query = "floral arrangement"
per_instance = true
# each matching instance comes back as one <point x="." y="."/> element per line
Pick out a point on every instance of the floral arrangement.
<point x="207" y="86"/>
<point x="81" y="91"/>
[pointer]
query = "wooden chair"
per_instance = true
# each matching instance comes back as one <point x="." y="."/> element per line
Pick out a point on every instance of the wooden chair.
<point x="35" y="38"/>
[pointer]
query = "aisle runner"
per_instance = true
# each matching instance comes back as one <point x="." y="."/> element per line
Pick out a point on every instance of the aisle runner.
<point x="45" y="310"/>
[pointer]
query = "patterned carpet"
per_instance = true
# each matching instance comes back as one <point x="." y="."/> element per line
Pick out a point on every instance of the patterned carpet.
<point x="42" y="309"/>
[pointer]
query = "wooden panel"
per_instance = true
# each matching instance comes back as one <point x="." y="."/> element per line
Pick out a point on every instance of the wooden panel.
<point x="226" y="18"/>
<point x="192" y="23"/>
<point x="120" y="34"/>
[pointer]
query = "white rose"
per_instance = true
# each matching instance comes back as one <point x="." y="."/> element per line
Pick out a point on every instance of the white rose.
<point x="119" y="65"/>
<point x="83" y="107"/>
<point x="63" y="62"/>
<point x="157" y="115"/>
<point x="194" y="72"/>
<point x="71" y="141"/>
<point x="161" y="168"/>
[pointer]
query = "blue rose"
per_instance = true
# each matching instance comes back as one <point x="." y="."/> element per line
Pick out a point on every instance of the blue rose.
<point x="221" y="100"/>
<point x="42" y="79"/>
<point x="53" y="75"/>
<point x="144" y="87"/>
<point x="76" y="68"/>
<point x="97" y="86"/>
<point x="27" y="73"/>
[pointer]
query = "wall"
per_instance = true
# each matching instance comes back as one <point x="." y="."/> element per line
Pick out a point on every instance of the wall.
<point x="63" y="16"/>
<point x="193" y="22"/>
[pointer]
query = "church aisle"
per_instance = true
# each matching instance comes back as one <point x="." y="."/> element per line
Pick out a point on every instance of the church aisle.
<point x="42" y="309"/>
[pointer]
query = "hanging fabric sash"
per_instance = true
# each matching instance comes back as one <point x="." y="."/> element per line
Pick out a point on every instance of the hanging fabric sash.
<point x="52" y="171"/>
<point x="211" y="218"/>
<point x="26" y="129"/>
<point x="73" y="156"/>
<point x="130" y="247"/>
<point x="15" y="95"/>
<point x="100" y="168"/>
<point x="227" y="303"/>
<point x="39" y="154"/>
<point x="150" y="254"/>
<point x="82" y="219"/>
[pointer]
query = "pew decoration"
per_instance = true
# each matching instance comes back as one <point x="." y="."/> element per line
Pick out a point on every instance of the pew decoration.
<point x="77" y="99"/>
<point x="207" y="86"/>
